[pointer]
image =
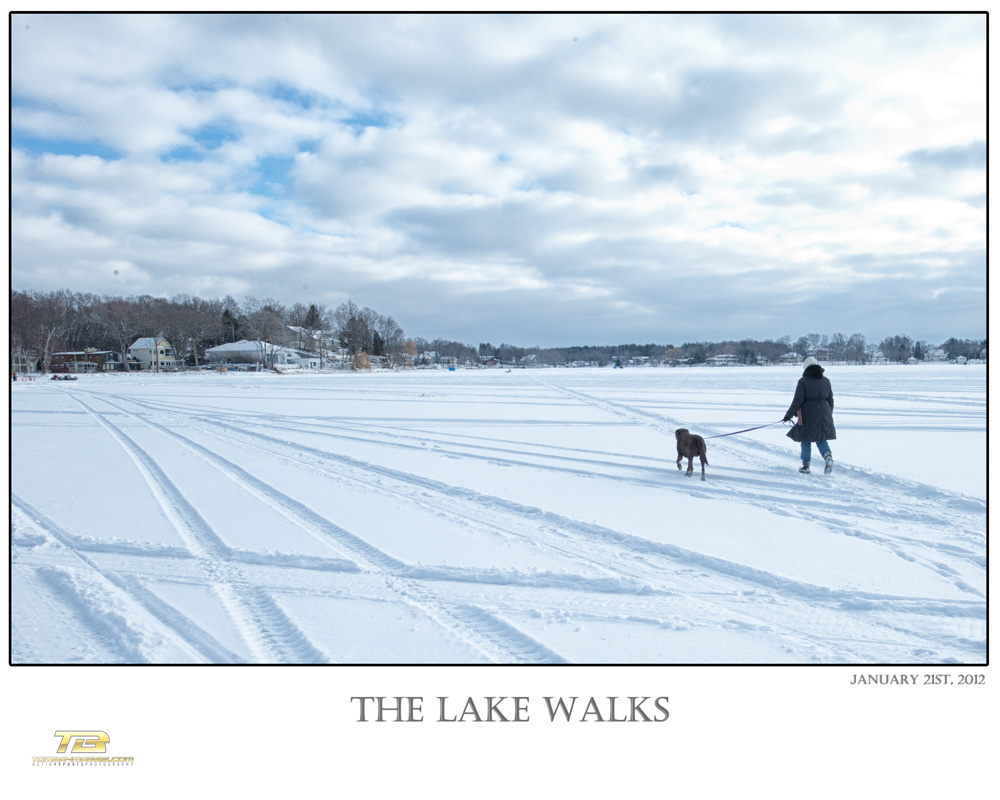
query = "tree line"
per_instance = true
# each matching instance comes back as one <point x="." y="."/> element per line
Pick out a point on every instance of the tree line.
<point x="853" y="349"/>
<point x="43" y="323"/>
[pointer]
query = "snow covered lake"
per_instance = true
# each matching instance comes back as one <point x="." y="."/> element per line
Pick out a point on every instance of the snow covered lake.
<point x="472" y="517"/>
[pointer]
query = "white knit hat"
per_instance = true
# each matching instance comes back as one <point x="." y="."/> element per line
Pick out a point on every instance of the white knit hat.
<point x="809" y="362"/>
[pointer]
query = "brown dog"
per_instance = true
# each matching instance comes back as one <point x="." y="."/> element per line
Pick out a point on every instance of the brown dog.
<point x="690" y="445"/>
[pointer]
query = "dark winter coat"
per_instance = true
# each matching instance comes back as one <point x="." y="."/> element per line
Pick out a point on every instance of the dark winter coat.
<point x="814" y="397"/>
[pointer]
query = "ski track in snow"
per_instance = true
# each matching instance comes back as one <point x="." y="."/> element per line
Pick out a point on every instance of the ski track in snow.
<point x="872" y="495"/>
<point x="271" y="635"/>
<point x="108" y="586"/>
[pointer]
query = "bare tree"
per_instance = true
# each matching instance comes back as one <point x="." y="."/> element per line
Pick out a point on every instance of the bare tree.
<point x="857" y="349"/>
<point x="51" y="321"/>
<point x="265" y="321"/>
<point x="195" y="322"/>
<point x="391" y="339"/>
<point x="897" y="348"/>
<point x="230" y="319"/>
<point x="20" y="321"/>
<point x="410" y="352"/>
<point x="123" y="323"/>
<point x="817" y="342"/>
<point x="352" y="326"/>
<point x="965" y="348"/>
<point x="38" y="324"/>
<point x="838" y="347"/>
<point x="315" y="324"/>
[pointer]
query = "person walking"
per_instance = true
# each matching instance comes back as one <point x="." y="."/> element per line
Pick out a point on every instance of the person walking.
<point x="813" y="407"/>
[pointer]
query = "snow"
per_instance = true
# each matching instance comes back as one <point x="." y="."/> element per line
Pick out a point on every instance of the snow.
<point x="494" y="517"/>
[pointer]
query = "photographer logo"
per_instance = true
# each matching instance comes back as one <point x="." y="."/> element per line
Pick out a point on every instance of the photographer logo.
<point x="82" y="749"/>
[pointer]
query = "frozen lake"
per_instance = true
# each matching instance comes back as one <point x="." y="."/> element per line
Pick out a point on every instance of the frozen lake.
<point x="519" y="517"/>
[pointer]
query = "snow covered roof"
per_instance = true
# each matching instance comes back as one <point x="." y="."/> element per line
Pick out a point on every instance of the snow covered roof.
<point x="241" y="346"/>
<point x="146" y="343"/>
<point x="255" y="347"/>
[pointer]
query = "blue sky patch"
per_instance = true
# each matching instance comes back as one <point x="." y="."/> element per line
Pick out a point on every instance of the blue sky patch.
<point x="186" y="153"/>
<point x="373" y="119"/>
<point x="294" y="96"/>
<point x="201" y="87"/>
<point x="215" y="134"/>
<point x="967" y="156"/>
<point x="38" y="146"/>
<point x="274" y="173"/>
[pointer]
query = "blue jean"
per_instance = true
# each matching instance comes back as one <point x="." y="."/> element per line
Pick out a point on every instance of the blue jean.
<point x="822" y="445"/>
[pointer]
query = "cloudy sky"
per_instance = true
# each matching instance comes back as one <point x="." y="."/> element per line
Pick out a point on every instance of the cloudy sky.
<point x="536" y="180"/>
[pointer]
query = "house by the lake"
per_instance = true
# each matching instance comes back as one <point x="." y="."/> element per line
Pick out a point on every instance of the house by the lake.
<point x="153" y="353"/>
<point x="87" y="360"/>
<point x="255" y="352"/>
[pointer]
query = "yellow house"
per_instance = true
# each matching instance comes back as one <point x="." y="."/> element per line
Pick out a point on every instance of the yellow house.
<point x="153" y="353"/>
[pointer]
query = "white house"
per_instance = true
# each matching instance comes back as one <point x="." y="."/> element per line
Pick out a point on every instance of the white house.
<point x="315" y="340"/>
<point x="256" y="352"/>
<point x="724" y="360"/>
<point x="241" y="352"/>
<point x="288" y="357"/>
<point x="153" y="353"/>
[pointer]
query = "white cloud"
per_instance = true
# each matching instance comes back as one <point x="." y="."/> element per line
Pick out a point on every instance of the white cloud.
<point x="583" y="168"/>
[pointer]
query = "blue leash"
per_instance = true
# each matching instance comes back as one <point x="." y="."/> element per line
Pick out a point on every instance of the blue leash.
<point x="746" y="430"/>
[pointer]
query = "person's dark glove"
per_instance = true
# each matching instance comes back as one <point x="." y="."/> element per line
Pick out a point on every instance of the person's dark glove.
<point x="787" y="417"/>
